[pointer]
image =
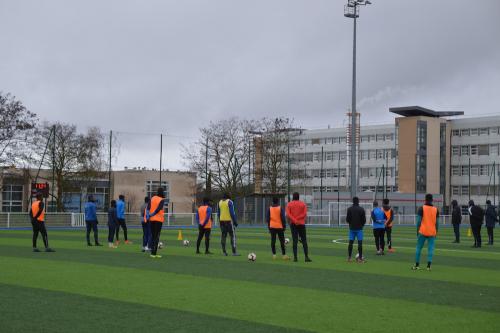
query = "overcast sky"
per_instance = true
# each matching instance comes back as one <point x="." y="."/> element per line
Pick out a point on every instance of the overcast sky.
<point x="171" y="66"/>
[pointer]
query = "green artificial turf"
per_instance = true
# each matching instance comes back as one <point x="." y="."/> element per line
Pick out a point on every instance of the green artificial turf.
<point x="84" y="289"/>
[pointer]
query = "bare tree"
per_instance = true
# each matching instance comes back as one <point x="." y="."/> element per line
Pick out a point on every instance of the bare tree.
<point x="275" y="141"/>
<point x="75" y="158"/>
<point x="222" y="154"/>
<point x="16" y="126"/>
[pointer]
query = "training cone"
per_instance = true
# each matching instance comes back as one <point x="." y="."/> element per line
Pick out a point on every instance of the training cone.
<point x="469" y="232"/>
<point x="179" y="236"/>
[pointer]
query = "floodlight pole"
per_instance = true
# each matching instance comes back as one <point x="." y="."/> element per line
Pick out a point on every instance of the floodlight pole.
<point x="354" y="179"/>
<point x="351" y="11"/>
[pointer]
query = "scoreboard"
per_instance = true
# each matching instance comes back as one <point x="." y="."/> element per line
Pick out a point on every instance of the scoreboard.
<point x="43" y="188"/>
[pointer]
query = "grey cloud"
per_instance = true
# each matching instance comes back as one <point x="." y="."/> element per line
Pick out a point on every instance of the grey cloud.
<point x="171" y="66"/>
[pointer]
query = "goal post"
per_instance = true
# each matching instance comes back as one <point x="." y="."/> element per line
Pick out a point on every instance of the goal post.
<point x="337" y="212"/>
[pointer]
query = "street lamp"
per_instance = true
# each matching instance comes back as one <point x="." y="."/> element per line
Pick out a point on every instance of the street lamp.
<point x="351" y="10"/>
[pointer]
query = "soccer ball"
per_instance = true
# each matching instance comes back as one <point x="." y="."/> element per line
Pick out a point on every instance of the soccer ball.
<point x="287" y="240"/>
<point x="160" y="245"/>
<point x="252" y="256"/>
<point x="185" y="242"/>
<point x="357" y="256"/>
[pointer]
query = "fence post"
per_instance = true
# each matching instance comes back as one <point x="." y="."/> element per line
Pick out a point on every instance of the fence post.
<point x="8" y="220"/>
<point x="72" y="219"/>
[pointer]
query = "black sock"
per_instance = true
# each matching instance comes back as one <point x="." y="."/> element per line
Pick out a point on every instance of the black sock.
<point x="360" y="249"/>
<point x="429" y="264"/>
<point x="349" y="248"/>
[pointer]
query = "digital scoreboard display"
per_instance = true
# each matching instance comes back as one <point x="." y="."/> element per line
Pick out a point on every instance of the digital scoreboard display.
<point x="43" y="188"/>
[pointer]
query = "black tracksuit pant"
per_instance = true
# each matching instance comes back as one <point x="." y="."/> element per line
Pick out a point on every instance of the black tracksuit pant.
<point x="121" y="223"/>
<point x="39" y="227"/>
<point x="456" y="230"/>
<point x="202" y="232"/>
<point x="155" y="236"/>
<point x="281" y="235"/>
<point x="111" y="231"/>
<point x="379" y="238"/>
<point x="299" y="230"/>
<point x="388" y="232"/>
<point x="476" y="232"/>
<point x="226" y="228"/>
<point x="490" y="234"/>
<point x="92" y="225"/>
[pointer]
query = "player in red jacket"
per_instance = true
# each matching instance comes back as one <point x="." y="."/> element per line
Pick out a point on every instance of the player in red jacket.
<point x="296" y="211"/>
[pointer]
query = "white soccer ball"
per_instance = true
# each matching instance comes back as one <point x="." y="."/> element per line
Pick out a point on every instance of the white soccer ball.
<point x="185" y="242"/>
<point x="287" y="240"/>
<point x="252" y="256"/>
<point x="160" y="245"/>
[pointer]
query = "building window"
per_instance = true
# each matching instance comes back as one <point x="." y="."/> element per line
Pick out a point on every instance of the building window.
<point x="474" y="132"/>
<point x="389" y="137"/>
<point x="152" y="188"/>
<point x="465" y="170"/>
<point x="493" y="130"/>
<point x="455" y="150"/>
<point x="465" y="190"/>
<point x="372" y="154"/>
<point x="421" y="171"/>
<point x="484" y="150"/>
<point x="493" y="149"/>
<point x="464" y="132"/>
<point x="484" y="170"/>
<point x="380" y="154"/>
<point x="364" y="138"/>
<point x="474" y="170"/>
<point x="12" y="198"/>
<point x="473" y="150"/>
<point x="455" y="190"/>
<point x="364" y="173"/>
<point x="484" y="131"/>
<point x="380" y="137"/>
<point x="464" y="151"/>
<point x="364" y="154"/>
<point x="455" y="133"/>
<point x="455" y="170"/>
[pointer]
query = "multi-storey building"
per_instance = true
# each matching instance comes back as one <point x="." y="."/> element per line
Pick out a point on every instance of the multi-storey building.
<point x="423" y="151"/>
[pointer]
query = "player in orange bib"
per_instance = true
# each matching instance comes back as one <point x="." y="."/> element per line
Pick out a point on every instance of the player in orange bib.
<point x="427" y="228"/>
<point x="37" y="214"/>
<point x="389" y="217"/>
<point x="204" y="219"/>
<point x="276" y="222"/>
<point x="156" y="216"/>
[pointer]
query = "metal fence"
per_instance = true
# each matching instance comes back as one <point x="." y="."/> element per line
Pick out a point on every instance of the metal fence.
<point x="77" y="220"/>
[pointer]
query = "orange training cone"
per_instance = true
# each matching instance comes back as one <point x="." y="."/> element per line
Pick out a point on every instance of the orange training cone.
<point x="179" y="236"/>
